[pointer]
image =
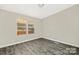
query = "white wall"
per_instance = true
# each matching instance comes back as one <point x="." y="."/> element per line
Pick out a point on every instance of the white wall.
<point x="8" y="29"/>
<point x="63" y="26"/>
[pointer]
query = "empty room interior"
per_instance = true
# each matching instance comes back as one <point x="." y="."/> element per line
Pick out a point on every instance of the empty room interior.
<point x="39" y="29"/>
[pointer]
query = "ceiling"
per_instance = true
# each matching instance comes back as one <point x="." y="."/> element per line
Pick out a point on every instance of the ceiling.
<point x="34" y="10"/>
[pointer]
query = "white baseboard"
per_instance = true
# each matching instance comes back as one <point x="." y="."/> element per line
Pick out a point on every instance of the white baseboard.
<point x="37" y="38"/>
<point x="61" y="42"/>
<point x="18" y="42"/>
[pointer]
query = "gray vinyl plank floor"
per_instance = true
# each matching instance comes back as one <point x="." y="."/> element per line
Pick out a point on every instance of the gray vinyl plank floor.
<point x="40" y="46"/>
